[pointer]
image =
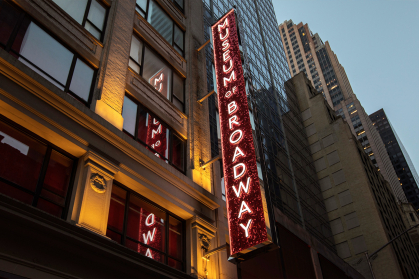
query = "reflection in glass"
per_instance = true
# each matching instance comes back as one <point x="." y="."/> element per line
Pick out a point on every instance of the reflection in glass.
<point x="157" y="73"/>
<point x="20" y="155"/>
<point x="160" y="21"/>
<point x="129" y="113"/>
<point x="75" y="8"/>
<point x="136" y="54"/>
<point x="81" y="81"/>
<point x="97" y="14"/>
<point x="45" y="52"/>
<point x="57" y="178"/>
<point x="175" y="238"/>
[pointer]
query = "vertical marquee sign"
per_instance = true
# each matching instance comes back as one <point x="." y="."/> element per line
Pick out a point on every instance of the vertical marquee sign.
<point x="244" y="201"/>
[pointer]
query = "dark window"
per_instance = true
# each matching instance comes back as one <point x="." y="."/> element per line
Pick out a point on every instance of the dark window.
<point x="91" y="14"/>
<point x="157" y="72"/>
<point x="179" y="4"/>
<point x="143" y="126"/>
<point x="146" y="228"/>
<point x="33" y="171"/>
<point x="163" y="24"/>
<point x="412" y="217"/>
<point x="41" y="52"/>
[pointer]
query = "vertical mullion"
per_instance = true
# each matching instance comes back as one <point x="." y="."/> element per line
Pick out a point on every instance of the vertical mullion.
<point x="142" y="60"/>
<point x="86" y="13"/>
<point x="136" y="122"/>
<point x="42" y="176"/>
<point x="70" y="74"/>
<point x="166" y="260"/>
<point x="171" y="88"/>
<point x="124" y="230"/>
<point x="147" y="9"/>
<point x="69" y="190"/>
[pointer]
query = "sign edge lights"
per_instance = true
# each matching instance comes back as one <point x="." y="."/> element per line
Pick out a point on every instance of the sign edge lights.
<point x="247" y="227"/>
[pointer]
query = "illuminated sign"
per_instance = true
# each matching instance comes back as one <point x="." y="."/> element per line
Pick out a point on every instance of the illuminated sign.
<point x="243" y="196"/>
<point x="156" y="136"/>
<point x="150" y="234"/>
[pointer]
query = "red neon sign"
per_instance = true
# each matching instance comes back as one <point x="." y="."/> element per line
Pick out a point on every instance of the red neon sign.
<point x="244" y="200"/>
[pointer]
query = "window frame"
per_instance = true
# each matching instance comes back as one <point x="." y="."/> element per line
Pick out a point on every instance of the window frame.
<point x="141" y="66"/>
<point x="172" y="43"/>
<point x="8" y="48"/>
<point x="85" y="19"/>
<point x="168" y="214"/>
<point x="40" y="183"/>
<point x="172" y="134"/>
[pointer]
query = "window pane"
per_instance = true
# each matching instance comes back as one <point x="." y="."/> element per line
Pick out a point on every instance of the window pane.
<point x="175" y="238"/>
<point x="146" y="223"/>
<point x="129" y="113"/>
<point x="136" y="53"/>
<point x="8" y="19"/>
<point x="113" y="235"/>
<point x="15" y="193"/>
<point x="175" y="264"/>
<point x="157" y="136"/>
<point x="81" y="81"/>
<point x="160" y="21"/>
<point x="178" y="89"/>
<point x="93" y="30"/>
<point x="137" y="247"/>
<point x="75" y="8"/>
<point x="178" y="37"/>
<point x="179" y="2"/>
<point x="49" y="207"/>
<point x="57" y="178"/>
<point x="117" y="209"/>
<point x="143" y="5"/>
<point x="157" y="73"/>
<point x="97" y="14"/>
<point x="45" y="52"/>
<point x="177" y="157"/>
<point x="21" y="157"/>
<point x="178" y="104"/>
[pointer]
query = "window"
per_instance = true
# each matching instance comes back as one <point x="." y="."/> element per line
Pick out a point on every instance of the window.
<point x="34" y="47"/>
<point x="146" y="228"/>
<point x="412" y="217"/>
<point x="33" y="171"/>
<point x="144" y="127"/>
<point x="179" y="4"/>
<point x="157" y="72"/>
<point x="163" y="24"/>
<point x="90" y="14"/>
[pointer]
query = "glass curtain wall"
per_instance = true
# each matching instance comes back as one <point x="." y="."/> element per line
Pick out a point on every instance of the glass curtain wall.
<point x="286" y="179"/>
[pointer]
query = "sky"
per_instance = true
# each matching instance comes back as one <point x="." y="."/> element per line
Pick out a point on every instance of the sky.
<point x="377" y="42"/>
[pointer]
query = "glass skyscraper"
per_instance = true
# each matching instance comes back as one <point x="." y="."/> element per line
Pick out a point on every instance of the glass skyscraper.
<point x="399" y="157"/>
<point x="286" y="169"/>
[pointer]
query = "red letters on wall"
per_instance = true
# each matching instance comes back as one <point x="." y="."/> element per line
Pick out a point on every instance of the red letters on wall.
<point x="244" y="201"/>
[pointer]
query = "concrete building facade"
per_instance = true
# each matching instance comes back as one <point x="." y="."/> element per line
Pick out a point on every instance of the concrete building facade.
<point x="102" y="140"/>
<point x="361" y="207"/>
<point x="309" y="54"/>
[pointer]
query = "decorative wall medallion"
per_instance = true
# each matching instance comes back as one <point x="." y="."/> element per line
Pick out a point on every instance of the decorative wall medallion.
<point x="205" y="242"/>
<point x="98" y="183"/>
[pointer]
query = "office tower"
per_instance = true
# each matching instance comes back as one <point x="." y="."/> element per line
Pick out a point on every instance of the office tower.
<point x="363" y="213"/>
<point x="294" y="207"/>
<point x="101" y="138"/>
<point x="309" y="54"/>
<point x="399" y="157"/>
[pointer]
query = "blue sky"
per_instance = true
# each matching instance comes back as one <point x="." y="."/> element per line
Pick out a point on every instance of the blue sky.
<point x="377" y="43"/>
